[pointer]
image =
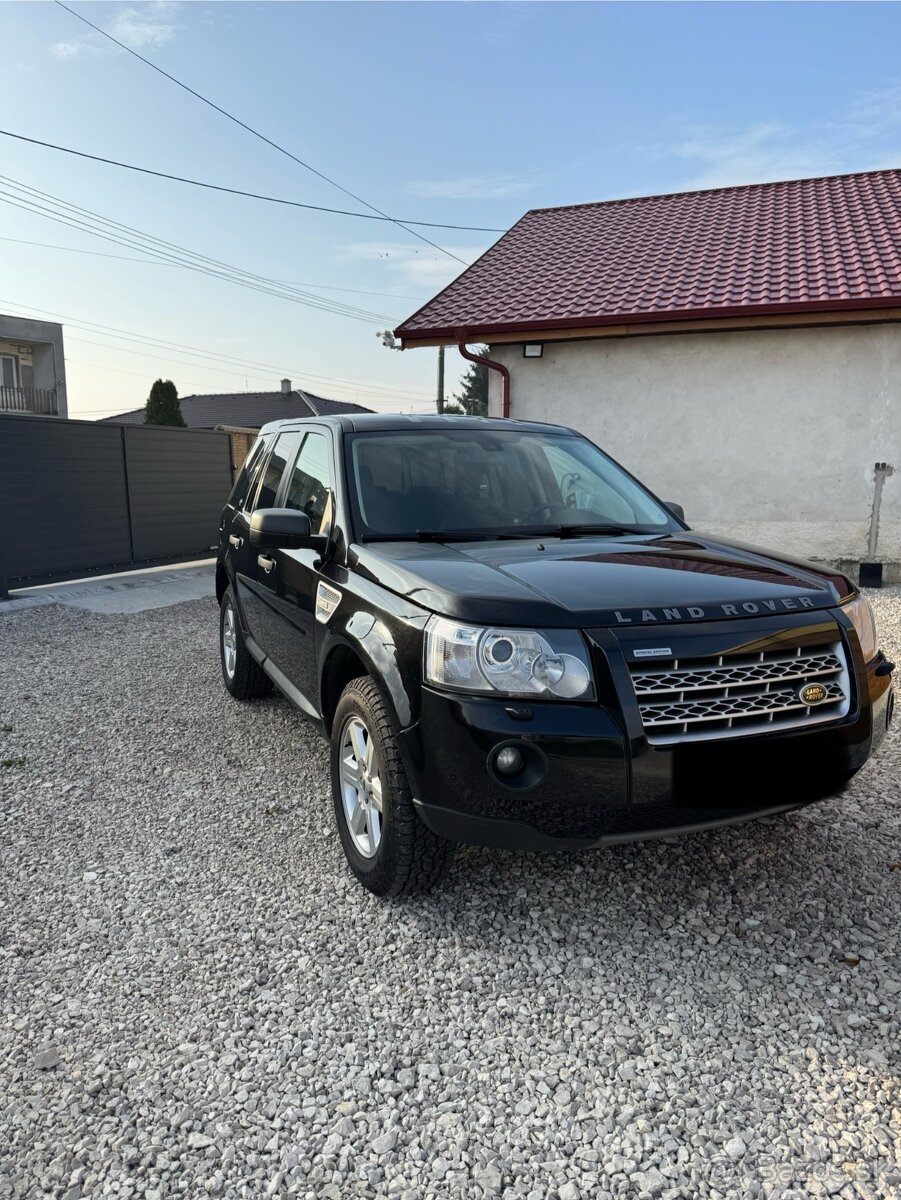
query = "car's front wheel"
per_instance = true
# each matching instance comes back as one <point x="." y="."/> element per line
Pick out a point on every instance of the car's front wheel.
<point x="241" y="673"/>
<point x="387" y="846"/>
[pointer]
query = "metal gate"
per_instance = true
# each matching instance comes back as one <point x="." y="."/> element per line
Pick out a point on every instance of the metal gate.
<point x="77" y="497"/>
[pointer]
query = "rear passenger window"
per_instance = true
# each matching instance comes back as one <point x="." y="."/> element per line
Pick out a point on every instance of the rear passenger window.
<point x="286" y="447"/>
<point x="309" y="488"/>
<point x="249" y="476"/>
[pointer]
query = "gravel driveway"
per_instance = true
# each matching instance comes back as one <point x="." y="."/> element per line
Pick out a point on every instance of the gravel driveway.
<point x="197" y="999"/>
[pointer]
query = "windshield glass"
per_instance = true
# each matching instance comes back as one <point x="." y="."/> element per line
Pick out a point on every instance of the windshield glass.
<point x="491" y="482"/>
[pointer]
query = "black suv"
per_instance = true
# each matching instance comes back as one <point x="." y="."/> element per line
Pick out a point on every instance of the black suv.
<point x="510" y="642"/>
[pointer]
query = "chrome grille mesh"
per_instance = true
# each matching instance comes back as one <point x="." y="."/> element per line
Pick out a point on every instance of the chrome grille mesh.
<point x="735" y="695"/>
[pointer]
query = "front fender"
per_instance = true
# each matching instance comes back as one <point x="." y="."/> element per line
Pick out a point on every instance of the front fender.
<point x="386" y="637"/>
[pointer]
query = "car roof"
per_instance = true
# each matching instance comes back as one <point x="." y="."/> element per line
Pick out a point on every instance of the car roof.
<point x="408" y="422"/>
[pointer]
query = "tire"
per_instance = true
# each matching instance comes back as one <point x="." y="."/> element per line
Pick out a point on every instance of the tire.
<point x="242" y="675"/>
<point x="388" y="848"/>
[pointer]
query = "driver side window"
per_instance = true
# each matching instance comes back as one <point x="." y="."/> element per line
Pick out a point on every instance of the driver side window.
<point x="285" y="449"/>
<point x="309" y="485"/>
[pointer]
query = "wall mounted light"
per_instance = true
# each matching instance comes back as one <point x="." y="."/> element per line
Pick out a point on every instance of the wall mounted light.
<point x="532" y="349"/>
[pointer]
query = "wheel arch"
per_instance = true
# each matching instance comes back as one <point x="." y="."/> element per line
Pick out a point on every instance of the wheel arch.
<point x="222" y="581"/>
<point x="341" y="664"/>
<point x="364" y="647"/>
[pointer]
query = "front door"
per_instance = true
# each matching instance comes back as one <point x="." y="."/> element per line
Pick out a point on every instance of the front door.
<point x="288" y="579"/>
<point x="255" y="585"/>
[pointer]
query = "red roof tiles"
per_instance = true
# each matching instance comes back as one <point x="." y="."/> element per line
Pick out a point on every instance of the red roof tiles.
<point x="809" y="244"/>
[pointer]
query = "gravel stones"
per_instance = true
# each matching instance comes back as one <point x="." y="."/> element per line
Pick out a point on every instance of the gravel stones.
<point x="240" y="1019"/>
<point x="46" y="1060"/>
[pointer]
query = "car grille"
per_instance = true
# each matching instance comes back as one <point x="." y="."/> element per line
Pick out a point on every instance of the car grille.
<point x="705" y="698"/>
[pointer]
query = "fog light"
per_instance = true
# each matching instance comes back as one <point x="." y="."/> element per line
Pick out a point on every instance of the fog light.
<point x="509" y="761"/>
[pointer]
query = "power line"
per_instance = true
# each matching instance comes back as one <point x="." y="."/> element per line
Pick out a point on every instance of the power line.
<point x="215" y="187"/>
<point x="229" y="275"/>
<point x="153" y="262"/>
<point x="87" y="221"/>
<point x="33" y="200"/>
<point x="99" y="330"/>
<point x="256" y="133"/>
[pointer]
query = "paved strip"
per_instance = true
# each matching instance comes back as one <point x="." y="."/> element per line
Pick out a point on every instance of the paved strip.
<point x="130" y="592"/>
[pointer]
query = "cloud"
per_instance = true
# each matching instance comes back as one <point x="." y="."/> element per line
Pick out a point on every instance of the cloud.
<point x="760" y="154"/>
<point x="862" y="136"/>
<point x="873" y="113"/>
<point x="411" y="264"/>
<point x="471" y="187"/>
<point x="64" y="50"/>
<point x="147" y="27"/>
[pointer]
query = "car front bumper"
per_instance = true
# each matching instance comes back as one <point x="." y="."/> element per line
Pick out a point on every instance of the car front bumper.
<point x="600" y="781"/>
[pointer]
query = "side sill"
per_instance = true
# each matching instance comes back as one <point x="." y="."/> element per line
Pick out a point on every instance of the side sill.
<point x="282" y="682"/>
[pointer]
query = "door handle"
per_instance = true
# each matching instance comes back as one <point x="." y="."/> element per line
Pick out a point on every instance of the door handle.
<point x="267" y="563"/>
<point x="236" y="541"/>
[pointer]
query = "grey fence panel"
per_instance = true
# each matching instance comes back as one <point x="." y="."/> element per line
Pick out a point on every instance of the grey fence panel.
<point x="77" y="497"/>
<point x="178" y="482"/>
<point x="63" y="501"/>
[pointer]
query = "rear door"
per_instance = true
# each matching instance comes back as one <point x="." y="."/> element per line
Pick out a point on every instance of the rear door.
<point x="289" y="580"/>
<point x="236" y="549"/>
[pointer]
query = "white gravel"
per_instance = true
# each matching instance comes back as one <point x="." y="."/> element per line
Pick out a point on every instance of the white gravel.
<point x="198" y="1000"/>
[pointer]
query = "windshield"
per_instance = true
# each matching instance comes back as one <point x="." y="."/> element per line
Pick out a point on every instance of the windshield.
<point x="475" y="482"/>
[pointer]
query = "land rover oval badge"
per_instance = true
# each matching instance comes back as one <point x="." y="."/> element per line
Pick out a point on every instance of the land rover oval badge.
<point x="812" y="693"/>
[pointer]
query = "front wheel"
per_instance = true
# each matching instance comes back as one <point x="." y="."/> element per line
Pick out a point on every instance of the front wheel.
<point x="386" y="845"/>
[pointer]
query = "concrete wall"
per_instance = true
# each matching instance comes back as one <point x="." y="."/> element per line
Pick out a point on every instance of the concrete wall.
<point x="769" y="437"/>
<point x="47" y="358"/>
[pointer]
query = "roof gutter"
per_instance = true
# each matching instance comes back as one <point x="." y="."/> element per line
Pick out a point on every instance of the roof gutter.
<point x="495" y="366"/>
<point x="431" y="335"/>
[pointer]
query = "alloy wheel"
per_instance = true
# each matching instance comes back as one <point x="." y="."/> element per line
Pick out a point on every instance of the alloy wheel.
<point x="229" y="641"/>
<point x="361" y="787"/>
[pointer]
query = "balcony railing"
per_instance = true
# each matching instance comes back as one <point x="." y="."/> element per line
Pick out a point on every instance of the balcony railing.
<point x="29" y="400"/>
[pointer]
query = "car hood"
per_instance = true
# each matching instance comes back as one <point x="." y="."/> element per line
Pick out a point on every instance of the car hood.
<point x="592" y="581"/>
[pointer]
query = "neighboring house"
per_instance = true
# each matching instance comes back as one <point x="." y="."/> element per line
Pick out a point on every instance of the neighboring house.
<point x="739" y="349"/>
<point x="242" y="414"/>
<point x="247" y="410"/>
<point x="32" y="367"/>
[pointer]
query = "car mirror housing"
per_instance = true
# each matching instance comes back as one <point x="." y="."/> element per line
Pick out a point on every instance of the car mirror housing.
<point x="283" y="529"/>
<point x="676" y="509"/>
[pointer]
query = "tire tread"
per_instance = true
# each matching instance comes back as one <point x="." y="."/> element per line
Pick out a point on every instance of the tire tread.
<point x="420" y="859"/>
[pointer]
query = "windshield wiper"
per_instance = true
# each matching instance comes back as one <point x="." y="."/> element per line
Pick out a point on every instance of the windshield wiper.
<point x="451" y="535"/>
<point x="565" y="531"/>
<point x="530" y="532"/>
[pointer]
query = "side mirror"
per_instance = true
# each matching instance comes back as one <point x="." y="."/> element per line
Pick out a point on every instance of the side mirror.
<point x="676" y="509"/>
<point x="283" y="529"/>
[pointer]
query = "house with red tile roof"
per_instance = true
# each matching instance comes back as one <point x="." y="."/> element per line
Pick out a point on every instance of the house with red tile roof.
<point x="738" y="348"/>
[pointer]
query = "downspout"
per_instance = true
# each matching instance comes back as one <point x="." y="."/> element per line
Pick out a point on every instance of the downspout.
<point x="495" y="366"/>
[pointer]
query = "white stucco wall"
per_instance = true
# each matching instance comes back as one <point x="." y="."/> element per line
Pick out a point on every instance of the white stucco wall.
<point x="769" y="437"/>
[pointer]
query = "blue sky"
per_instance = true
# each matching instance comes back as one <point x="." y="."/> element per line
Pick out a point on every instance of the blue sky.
<point x="464" y="113"/>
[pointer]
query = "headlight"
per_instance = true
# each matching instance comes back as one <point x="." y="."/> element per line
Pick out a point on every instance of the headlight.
<point x="514" y="662"/>
<point x="864" y="622"/>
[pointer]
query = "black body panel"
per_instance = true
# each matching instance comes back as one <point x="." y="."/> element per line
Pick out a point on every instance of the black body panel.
<point x="590" y="580"/>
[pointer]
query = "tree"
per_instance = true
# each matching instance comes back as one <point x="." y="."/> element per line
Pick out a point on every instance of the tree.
<point x="473" y="395"/>
<point x="162" y="407"/>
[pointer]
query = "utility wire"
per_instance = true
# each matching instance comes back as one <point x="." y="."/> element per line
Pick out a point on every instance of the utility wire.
<point x="256" y="133"/>
<point x="153" y="262"/>
<point x="33" y="200"/>
<point x="168" y="250"/>
<point x="141" y="339"/>
<point x="215" y="187"/>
